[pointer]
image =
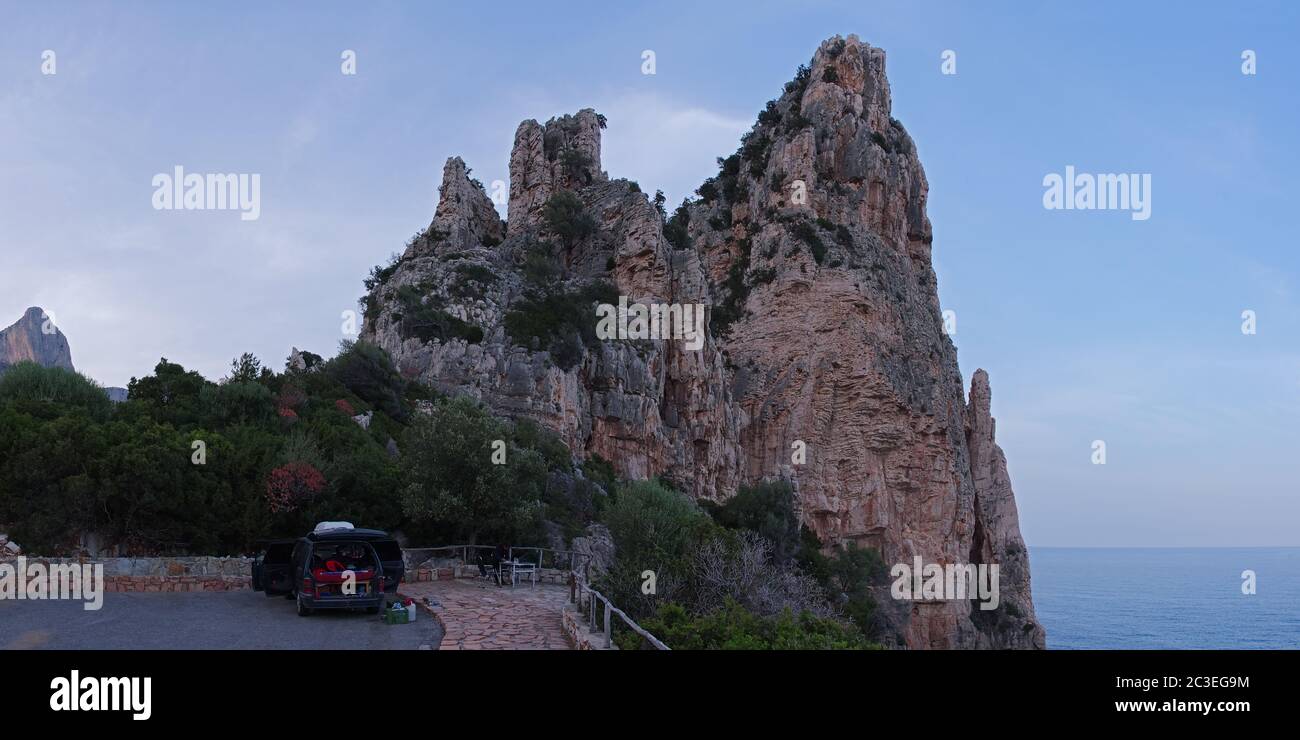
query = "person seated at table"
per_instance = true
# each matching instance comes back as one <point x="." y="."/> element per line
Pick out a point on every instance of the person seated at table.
<point x="491" y="563"/>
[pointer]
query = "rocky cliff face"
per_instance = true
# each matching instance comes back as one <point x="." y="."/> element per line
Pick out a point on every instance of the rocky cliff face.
<point x="812" y="249"/>
<point x="34" y="338"/>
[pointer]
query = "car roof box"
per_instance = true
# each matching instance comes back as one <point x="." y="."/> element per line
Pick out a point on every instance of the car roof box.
<point x="332" y="527"/>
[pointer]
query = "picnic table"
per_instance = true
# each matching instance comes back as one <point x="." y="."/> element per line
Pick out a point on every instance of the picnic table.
<point x="518" y="569"/>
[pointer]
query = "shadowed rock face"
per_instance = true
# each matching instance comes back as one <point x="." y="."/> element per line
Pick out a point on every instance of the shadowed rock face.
<point x="812" y="248"/>
<point x="34" y="338"/>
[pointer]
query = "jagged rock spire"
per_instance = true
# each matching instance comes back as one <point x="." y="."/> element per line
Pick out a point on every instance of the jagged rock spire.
<point x="465" y="216"/>
<point x="999" y="539"/>
<point x="562" y="155"/>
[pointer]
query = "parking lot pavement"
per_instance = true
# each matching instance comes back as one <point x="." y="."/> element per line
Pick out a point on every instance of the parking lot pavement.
<point x="204" y="621"/>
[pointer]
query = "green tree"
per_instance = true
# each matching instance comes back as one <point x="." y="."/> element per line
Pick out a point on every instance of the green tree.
<point x="452" y="486"/>
<point x="244" y="369"/>
<point x="768" y="509"/>
<point x="172" y="393"/>
<point x="367" y="370"/>
<point x="567" y="218"/>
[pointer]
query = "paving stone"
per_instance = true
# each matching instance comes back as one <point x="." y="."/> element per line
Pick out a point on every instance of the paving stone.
<point x="480" y="615"/>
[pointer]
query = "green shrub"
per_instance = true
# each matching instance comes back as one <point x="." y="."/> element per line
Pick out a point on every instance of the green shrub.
<point x="754" y="149"/>
<point x="561" y="321"/>
<point x="794" y="91"/>
<point x="539" y="267"/>
<point x="28" y="381"/>
<point x="565" y="216"/>
<point x="766" y="508"/>
<point x="736" y="292"/>
<point x="708" y="191"/>
<point x="675" y="230"/>
<point x="368" y="372"/>
<point x="600" y="471"/>
<point x="844" y="236"/>
<point x="577" y="166"/>
<point x="238" y="402"/>
<point x="379" y="276"/>
<point x="807" y="233"/>
<point x="654" y="528"/>
<point x="846" y="576"/>
<point x="762" y="275"/>
<point x="729" y="178"/>
<point x="796" y="87"/>
<point x="734" y="628"/>
<point x="472" y="280"/>
<point x="426" y="320"/>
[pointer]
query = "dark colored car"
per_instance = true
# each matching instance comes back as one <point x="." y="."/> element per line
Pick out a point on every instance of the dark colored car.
<point x="343" y="568"/>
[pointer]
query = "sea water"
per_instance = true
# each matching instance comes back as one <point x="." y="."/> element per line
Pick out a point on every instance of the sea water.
<point x="1147" y="598"/>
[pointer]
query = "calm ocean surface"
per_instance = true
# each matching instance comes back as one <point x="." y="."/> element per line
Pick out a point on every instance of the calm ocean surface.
<point x="1166" y="597"/>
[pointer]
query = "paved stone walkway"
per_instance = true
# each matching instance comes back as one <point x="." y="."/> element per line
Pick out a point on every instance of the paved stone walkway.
<point x="479" y="615"/>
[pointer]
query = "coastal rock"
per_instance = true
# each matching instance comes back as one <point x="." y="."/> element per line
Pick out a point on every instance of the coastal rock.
<point x="811" y="248"/>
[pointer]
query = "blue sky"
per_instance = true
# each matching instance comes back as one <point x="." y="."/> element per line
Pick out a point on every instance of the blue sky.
<point x="1091" y="325"/>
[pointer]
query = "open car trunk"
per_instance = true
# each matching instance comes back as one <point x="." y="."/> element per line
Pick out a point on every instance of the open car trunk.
<point x="342" y="570"/>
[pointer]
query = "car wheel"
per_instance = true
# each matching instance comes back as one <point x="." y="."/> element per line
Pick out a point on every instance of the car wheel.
<point x="303" y="611"/>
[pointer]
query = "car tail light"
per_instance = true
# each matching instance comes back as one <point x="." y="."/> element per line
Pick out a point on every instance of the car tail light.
<point x="308" y="587"/>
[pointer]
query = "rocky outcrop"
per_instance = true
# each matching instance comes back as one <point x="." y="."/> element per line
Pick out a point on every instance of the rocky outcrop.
<point x="562" y="155"/>
<point x="596" y="546"/>
<point x="997" y="535"/>
<point x="34" y="338"/>
<point x="464" y="214"/>
<point x="652" y="407"/>
<point x="812" y="249"/>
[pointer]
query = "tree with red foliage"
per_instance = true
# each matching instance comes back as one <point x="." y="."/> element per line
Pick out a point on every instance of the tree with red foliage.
<point x="290" y="485"/>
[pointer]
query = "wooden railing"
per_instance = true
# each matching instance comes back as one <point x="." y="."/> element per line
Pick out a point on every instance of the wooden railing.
<point x="580" y="593"/>
<point x="592" y="597"/>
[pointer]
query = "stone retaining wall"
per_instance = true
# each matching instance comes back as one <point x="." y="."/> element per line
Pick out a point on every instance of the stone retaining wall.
<point x="164" y="574"/>
<point x="222" y="573"/>
<point x="575" y="628"/>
